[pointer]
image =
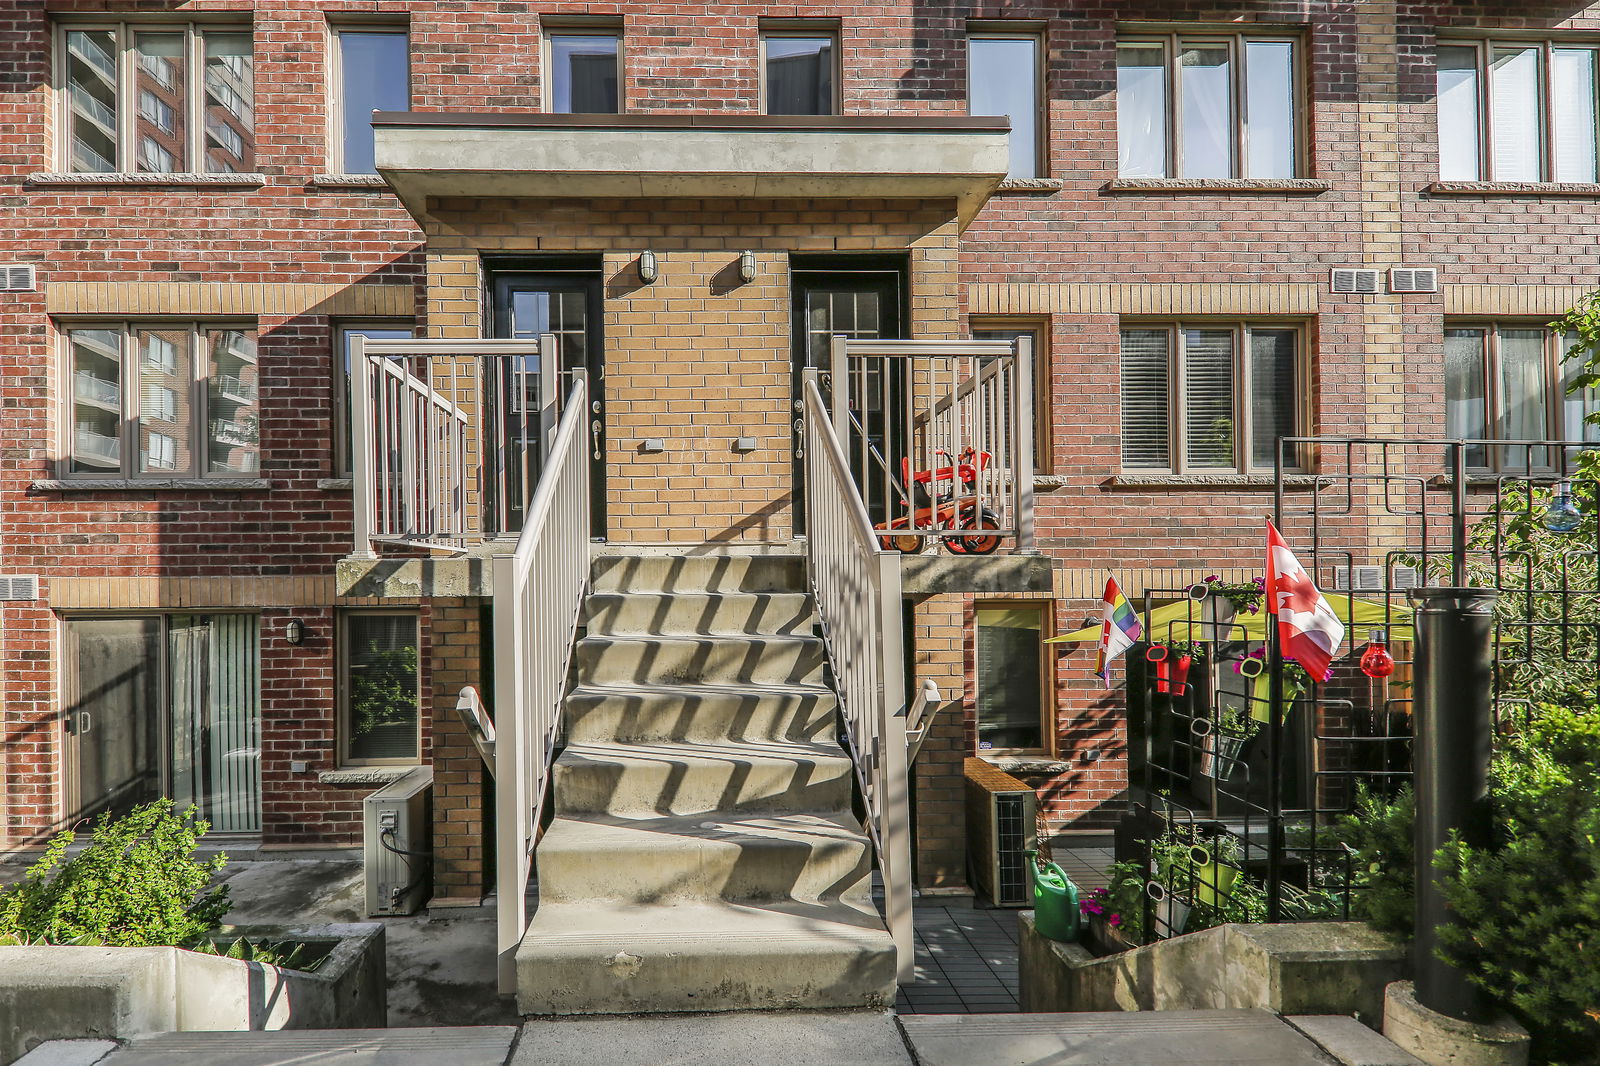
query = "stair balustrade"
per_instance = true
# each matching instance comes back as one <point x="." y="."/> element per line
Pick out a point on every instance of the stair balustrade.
<point x="539" y="593"/>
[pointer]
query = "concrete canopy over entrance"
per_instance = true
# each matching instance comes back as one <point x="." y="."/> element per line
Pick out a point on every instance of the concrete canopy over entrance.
<point x="582" y="156"/>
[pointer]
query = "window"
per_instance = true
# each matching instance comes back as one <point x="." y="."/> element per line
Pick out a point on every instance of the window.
<point x="1037" y="330"/>
<point x="585" y="72"/>
<point x="380" y="688"/>
<point x="374" y="74"/>
<point x="191" y="91"/>
<point x="1014" y="692"/>
<point x="1191" y="106"/>
<point x="1201" y="397"/>
<point x="798" y="70"/>
<point x="191" y="411"/>
<point x="344" y="444"/>
<point x="1505" y="381"/>
<point x="1517" y="111"/>
<point x="1003" y="78"/>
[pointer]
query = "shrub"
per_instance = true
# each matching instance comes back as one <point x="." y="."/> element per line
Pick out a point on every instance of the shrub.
<point x="137" y="884"/>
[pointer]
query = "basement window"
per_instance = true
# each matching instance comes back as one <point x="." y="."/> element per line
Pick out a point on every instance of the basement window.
<point x="1013" y="678"/>
<point x="380" y="695"/>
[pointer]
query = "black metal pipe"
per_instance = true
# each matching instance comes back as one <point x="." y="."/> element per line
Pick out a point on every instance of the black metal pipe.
<point x="1453" y="719"/>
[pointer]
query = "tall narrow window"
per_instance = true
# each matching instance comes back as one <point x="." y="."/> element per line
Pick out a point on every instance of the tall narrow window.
<point x="1509" y="382"/>
<point x="374" y="75"/>
<point x="585" y="73"/>
<point x="1518" y="111"/>
<point x="1208" y="106"/>
<point x="798" y="73"/>
<point x="1003" y="79"/>
<point x="1209" y="398"/>
<point x="190" y="91"/>
<point x="1014" y="697"/>
<point x="380" y="694"/>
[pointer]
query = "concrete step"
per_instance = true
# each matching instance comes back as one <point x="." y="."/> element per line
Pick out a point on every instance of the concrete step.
<point x="459" y="1046"/>
<point x="699" y="573"/>
<point x="693" y="660"/>
<point x="700" y="613"/>
<point x="623" y="958"/>
<point x="704" y="856"/>
<point x="776" y="1038"/>
<point x="694" y="778"/>
<point x="630" y="713"/>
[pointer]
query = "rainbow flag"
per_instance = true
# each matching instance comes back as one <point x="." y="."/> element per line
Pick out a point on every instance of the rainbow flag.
<point x="1119" y="630"/>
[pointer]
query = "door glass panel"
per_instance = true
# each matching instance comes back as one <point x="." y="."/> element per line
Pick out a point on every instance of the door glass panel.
<point x="1205" y="80"/>
<point x="165" y="388"/>
<point x="1458" y="113"/>
<point x="1141" y="111"/>
<point x="216" y="722"/>
<point x="1514" y="106"/>
<point x="113" y="712"/>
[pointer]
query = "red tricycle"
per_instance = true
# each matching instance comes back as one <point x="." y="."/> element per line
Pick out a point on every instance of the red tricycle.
<point x="946" y="498"/>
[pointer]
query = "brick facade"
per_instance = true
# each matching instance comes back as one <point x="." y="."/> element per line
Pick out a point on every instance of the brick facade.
<point x="296" y="251"/>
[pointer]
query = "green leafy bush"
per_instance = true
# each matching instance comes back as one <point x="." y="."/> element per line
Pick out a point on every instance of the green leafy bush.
<point x="137" y="884"/>
<point x="1383" y="878"/>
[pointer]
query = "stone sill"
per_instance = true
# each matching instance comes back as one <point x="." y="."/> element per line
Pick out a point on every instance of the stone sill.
<point x="1048" y="482"/>
<point x="1513" y="188"/>
<point x="1033" y="185"/>
<point x="363" y="775"/>
<point x="334" y="484"/>
<point x="1206" y="481"/>
<point x="152" y="485"/>
<point x="123" y="177"/>
<point x="1027" y="764"/>
<point x="1298" y="186"/>
<point x="350" y="181"/>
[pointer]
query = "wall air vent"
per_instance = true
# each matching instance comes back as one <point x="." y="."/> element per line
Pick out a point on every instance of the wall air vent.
<point x="1413" y="279"/>
<point x="1355" y="279"/>
<point x="16" y="277"/>
<point x="19" y="587"/>
<point x="1370" y="579"/>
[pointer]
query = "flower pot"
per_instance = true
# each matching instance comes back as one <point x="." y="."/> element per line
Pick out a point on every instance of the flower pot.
<point x="1219" y="755"/>
<point x="1055" y="901"/>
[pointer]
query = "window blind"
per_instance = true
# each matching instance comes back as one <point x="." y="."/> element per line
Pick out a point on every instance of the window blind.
<point x="1146" y="358"/>
<point x="1208" y="398"/>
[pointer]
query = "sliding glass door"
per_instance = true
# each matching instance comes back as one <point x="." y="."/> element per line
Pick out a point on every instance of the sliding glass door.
<point x="165" y="705"/>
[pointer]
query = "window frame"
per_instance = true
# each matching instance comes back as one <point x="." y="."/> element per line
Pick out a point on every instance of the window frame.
<point x="1048" y="698"/>
<point x="1484" y="48"/>
<point x="127" y="109"/>
<point x="1039" y="326"/>
<point x="1236" y="40"/>
<point x="548" y="30"/>
<point x="343" y="464"/>
<point x="789" y="29"/>
<point x="132" y="392"/>
<point x="334" y="102"/>
<point x="1555" y="348"/>
<point x="341" y="682"/>
<point x="1041" y="102"/>
<point x="1244" y="388"/>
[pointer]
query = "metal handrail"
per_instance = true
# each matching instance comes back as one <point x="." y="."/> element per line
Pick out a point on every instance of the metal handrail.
<point x="539" y="592"/>
<point x="856" y="587"/>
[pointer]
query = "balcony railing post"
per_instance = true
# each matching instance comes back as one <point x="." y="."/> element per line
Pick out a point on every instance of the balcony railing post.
<point x="1022" y="429"/>
<point x="361" y="430"/>
<point x="894" y="770"/>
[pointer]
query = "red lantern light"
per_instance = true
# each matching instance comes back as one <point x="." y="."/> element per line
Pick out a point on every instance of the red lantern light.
<point x="1376" y="662"/>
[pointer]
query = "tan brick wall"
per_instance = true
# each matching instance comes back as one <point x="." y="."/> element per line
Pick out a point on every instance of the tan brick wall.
<point x="939" y="654"/>
<point x="460" y="858"/>
<point x="697" y="359"/>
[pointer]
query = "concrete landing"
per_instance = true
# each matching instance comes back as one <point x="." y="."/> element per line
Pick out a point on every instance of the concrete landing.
<point x="769" y="1039"/>
<point x="1144" y="1038"/>
<point x="476" y="1046"/>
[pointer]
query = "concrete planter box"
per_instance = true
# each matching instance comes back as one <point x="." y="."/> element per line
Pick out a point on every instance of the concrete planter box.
<point x="1294" y="968"/>
<point x="50" y="993"/>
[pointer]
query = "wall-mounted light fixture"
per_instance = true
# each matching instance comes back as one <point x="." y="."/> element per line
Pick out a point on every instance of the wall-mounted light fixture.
<point x="295" y="631"/>
<point x="747" y="267"/>
<point x="648" y="270"/>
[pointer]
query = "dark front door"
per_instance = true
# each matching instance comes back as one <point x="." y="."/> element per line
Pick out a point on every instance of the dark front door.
<point x="833" y="298"/>
<point x="527" y="305"/>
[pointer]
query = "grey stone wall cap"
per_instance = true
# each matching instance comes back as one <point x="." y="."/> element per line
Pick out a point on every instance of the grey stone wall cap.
<point x="723" y="121"/>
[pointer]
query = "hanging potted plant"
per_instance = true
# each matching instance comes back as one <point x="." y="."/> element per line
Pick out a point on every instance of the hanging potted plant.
<point x="1222" y="741"/>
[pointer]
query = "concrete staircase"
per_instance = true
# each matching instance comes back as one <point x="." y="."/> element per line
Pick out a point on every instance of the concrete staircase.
<point x="703" y="854"/>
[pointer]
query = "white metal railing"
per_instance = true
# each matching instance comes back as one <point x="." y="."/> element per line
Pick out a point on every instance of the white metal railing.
<point x="940" y="438"/>
<point x="447" y="437"/>
<point x="539" y="593"/>
<point x="856" y="586"/>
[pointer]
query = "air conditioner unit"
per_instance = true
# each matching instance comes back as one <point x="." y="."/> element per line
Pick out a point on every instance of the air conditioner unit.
<point x="1413" y="279"/>
<point x="1354" y="279"/>
<point x="398" y="844"/>
<point x="1370" y="578"/>
<point x="1000" y="832"/>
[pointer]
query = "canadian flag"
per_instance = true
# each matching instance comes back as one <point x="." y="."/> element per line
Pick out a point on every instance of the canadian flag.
<point x="1308" y="630"/>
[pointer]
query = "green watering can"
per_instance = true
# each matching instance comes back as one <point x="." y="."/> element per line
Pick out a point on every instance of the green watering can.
<point x="1055" y="901"/>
